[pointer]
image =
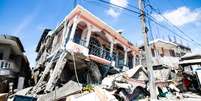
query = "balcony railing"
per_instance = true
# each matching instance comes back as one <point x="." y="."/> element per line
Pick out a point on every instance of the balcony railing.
<point x="80" y="42"/>
<point x="100" y="52"/>
<point x="5" y="64"/>
<point x="118" y="62"/>
<point x="103" y="53"/>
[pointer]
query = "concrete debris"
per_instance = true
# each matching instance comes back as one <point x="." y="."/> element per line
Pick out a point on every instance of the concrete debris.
<point x="98" y="94"/>
<point x="68" y="89"/>
<point x="79" y="61"/>
<point x="3" y="96"/>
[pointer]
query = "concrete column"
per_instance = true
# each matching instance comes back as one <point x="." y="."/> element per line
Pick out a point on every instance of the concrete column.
<point x="75" y="22"/>
<point x="140" y="58"/>
<point x="117" y="59"/>
<point x="125" y="56"/>
<point x="125" y="67"/>
<point x="11" y="89"/>
<point x="65" y="32"/>
<point x="111" y="47"/>
<point x="88" y="35"/>
<point x="111" y="53"/>
<point x="20" y="84"/>
<point x="134" y="59"/>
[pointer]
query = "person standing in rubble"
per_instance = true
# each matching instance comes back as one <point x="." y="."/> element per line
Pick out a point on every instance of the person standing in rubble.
<point x="186" y="82"/>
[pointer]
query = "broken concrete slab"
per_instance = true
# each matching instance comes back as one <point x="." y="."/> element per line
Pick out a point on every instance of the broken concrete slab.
<point x="98" y="94"/>
<point x="69" y="88"/>
<point x="3" y="96"/>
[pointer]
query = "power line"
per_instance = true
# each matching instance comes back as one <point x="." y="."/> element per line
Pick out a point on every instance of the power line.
<point x="171" y="24"/>
<point x="149" y="24"/>
<point x="113" y="5"/>
<point x="165" y="27"/>
<point x="151" y="18"/>
<point x="97" y="3"/>
<point x="158" y="12"/>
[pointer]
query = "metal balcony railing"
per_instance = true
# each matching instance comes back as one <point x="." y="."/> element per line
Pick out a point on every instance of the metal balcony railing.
<point x="5" y="64"/>
<point x="118" y="62"/>
<point x="100" y="52"/>
<point x="80" y="42"/>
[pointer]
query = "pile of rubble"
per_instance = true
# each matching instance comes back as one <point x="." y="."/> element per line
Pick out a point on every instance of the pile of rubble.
<point x="124" y="86"/>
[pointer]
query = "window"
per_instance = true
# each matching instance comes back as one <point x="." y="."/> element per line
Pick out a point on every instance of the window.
<point x="78" y="34"/>
<point x="153" y="52"/>
<point x="1" y="56"/>
<point x="172" y="53"/>
<point x="162" y="52"/>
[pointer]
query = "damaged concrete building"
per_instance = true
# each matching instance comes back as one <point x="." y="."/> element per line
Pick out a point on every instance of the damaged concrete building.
<point x="165" y="56"/>
<point x="15" y="72"/>
<point x="82" y="48"/>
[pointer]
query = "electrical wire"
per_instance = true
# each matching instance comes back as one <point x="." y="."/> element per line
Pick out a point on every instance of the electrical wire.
<point x="149" y="24"/>
<point x="177" y="28"/>
<point x="75" y="69"/>
<point x="113" y="5"/>
<point x="171" y="24"/>
<point x="158" y="12"/>
<point x="152" y="19"/>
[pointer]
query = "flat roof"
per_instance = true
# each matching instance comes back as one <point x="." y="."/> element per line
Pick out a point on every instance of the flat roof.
<point x="14" y="38"/>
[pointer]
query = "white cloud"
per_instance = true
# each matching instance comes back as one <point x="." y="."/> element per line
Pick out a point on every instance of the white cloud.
<point x="122" y="3"/>
<point x="181" y="16"/>
<point x="114" y="11"/>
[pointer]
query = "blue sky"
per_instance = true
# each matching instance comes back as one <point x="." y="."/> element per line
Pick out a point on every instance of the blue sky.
<point x="28" y="18"/>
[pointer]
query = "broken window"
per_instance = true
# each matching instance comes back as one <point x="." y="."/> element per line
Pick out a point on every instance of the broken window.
<point x="1" y="56"/>
<point x="162" y="52"/>
<point x="78" y="34"/>
<point x="153" y="52"/>
<point x="172" y="53"/>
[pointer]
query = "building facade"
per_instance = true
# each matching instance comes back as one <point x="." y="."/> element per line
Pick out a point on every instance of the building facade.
<point x="166" y="52"/>
<point x="14" y="66"/>
<point x="92" y="40"/>
<point x="165" y="58"/>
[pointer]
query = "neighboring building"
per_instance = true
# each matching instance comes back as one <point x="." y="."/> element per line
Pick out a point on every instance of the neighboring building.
<point x="191" y="69"/>
<point x="14" y="66"/>
<point x="92" y="40"/>
<point x="182" y="50"/>
<point x="166" y="52"/>
<point x="190" y="62"/>
<point x="165" y="57"/>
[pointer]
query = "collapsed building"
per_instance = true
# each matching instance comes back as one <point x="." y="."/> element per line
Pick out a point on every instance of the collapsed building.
<point x="84" y="51"/>
<point x="165" y="58"/>
<point x="15" y="72"/>
<point x="82" y="48"/>
<point x="190" y="64"/>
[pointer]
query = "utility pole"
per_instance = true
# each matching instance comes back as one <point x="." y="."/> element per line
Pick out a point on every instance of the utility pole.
<point x="152" y="87"/>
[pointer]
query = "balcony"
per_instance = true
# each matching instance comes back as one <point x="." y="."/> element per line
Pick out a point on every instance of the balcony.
<point x="105" y="54"/>
<point x="77" y="47"/>
<point x="8" y="68"/>
<point x="95" y="52"/>
<point x="100" y="52"/>
<point x="119" y="62"/>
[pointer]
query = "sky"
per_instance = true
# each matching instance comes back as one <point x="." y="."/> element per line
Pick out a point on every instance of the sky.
<point x="27" y="19"/>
